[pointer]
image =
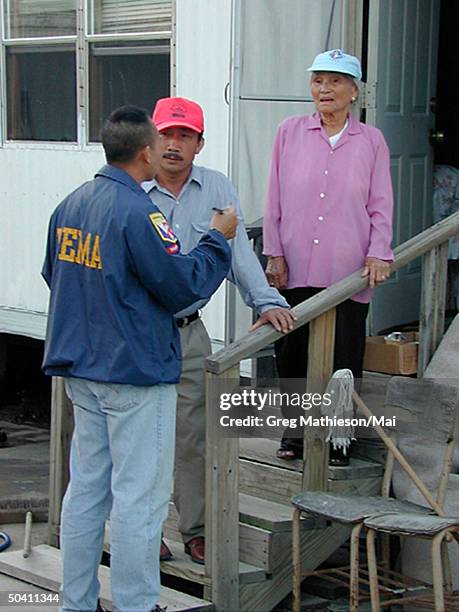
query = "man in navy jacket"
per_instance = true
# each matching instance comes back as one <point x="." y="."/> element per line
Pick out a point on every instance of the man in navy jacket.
<point x="116" y="276"/>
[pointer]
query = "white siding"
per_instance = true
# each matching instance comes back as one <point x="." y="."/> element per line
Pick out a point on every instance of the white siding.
<point x="32" y="182"/>
<point x="203" y="66"/>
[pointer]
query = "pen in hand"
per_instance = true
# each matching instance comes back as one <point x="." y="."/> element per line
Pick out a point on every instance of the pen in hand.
<point x="226" y="221"/>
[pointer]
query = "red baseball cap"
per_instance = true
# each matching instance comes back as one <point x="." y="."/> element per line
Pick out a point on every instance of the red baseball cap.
<point x="171" y="112"/>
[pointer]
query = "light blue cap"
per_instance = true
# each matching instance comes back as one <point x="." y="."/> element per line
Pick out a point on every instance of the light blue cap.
<point x="336" y="61"/>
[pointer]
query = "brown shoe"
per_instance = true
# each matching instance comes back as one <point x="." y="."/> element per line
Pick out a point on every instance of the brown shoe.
<point x="196" y="549"/>
<point x="165" y="552"/>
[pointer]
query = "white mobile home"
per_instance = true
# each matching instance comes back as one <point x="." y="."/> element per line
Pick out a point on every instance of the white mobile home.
<point x="66" y="63"/>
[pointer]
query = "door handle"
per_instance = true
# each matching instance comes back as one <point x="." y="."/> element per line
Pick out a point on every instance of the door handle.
<point x="437" y="136"/>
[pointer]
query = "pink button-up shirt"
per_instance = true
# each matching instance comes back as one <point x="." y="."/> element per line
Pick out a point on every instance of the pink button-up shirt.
<point x="328" y="208"/>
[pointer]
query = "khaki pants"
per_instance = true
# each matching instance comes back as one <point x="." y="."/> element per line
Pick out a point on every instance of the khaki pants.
<point x="190" y="445"/>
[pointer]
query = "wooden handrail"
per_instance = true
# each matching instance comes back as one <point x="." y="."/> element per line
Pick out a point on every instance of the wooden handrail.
<point x="252" y="342"/>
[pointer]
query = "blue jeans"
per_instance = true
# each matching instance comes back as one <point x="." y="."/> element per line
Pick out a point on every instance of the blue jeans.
<point x="121" y="462"/>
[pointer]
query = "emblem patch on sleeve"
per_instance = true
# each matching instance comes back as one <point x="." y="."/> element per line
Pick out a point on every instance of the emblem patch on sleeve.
<point x="165" y="232"/>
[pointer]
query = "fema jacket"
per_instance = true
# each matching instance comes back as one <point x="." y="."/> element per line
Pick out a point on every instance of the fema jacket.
<point x="117" y="276"/>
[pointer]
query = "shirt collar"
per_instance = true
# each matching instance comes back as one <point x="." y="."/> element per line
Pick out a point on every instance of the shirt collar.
<point x="195" y="175"/>
<point x="353" y="127"/>
<point x="120" y="176"/>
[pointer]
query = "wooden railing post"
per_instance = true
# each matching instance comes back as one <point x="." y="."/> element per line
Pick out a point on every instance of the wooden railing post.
<point x="320" y="368"/>
<point x="222" y="499"/>
<point x="59" y="453"/>
<point x="433" y="297"/>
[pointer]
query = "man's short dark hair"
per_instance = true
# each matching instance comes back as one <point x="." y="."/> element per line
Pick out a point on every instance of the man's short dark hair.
<point x="127" y="130"/>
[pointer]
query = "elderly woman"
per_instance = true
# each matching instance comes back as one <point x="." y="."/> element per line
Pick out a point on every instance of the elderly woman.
<point x="328" y="213"/>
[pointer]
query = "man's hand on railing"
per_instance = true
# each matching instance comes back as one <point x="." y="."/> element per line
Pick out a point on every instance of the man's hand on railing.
<point x="277" y="272"/>
<point x="281" y="319"/>
<point x="377" y="270"/>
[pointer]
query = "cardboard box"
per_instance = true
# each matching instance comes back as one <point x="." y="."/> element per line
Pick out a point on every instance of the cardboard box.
<point x="392" y="358"/>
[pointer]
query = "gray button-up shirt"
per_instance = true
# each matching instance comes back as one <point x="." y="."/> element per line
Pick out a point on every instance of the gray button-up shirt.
<point x="189" y="216"/>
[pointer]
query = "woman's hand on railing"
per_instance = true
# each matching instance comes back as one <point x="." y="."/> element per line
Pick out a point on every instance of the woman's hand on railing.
<point x="377" y="270"/>
<point x="281" y="319"/>
<point x="277" y="272"/>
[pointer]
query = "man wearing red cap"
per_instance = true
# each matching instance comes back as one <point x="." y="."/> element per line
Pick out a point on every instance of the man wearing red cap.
<point x="187" y="195"/>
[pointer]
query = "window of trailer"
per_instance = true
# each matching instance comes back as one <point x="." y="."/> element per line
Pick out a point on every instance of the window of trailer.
<point x="64" y="70"/>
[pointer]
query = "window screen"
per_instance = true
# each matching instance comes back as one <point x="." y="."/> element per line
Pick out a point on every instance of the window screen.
<point x="38" y="18"/>
<point x="122" y="75"/>
<point x="41" y="93"/>
<point x="113" y="16"/>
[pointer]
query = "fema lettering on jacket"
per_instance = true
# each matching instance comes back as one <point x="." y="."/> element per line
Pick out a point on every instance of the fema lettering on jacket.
<point x="78" y="248"/>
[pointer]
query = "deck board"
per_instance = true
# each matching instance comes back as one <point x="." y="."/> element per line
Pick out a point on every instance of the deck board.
<point x="44" y="568"/>
<point x="263" y="451"/>
<point x="182" y="567"/>
<point x="272" y="516"/>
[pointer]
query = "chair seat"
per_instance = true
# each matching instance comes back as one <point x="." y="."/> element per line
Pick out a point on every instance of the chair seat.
<point x="411" y="523"/>
<point x="349" y="509"/>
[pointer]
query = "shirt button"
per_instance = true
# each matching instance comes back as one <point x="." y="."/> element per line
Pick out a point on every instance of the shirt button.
<point x="320" y="218"/>
<point x="325" y="171"/>
<point x="322" y="195"/>
<point x="316" y="241"/>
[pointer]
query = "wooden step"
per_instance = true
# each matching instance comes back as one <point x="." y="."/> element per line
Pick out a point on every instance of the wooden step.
<point x="44" y="569"/>
<point x="259" y="519"/>
<point x="182" y="567"/>
<point x="270" y="515"/>
<point x="262" y="450"/>
<point x="370" y="449"/>
<point x="278" y="485"/>
<point x="264" y="476"/>
<point x="268" y="481"/>
<point x="358" y="468"/>
<point x="253" y="545"/>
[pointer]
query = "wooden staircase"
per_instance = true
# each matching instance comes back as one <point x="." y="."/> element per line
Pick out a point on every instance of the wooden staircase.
<point x="266" y="485"/>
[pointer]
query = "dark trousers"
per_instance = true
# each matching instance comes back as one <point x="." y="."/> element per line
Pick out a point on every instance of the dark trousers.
<point x="292" y="352"/>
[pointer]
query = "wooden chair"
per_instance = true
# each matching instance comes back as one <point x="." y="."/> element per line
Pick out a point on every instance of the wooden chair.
<point x="358" y="512"/>
<point x="439" y="530"/>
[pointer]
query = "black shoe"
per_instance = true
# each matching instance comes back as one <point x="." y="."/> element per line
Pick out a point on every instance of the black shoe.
<point x="99" y="607"/>
<point x="337" y="457"/>
<point x="158" y="608"/>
